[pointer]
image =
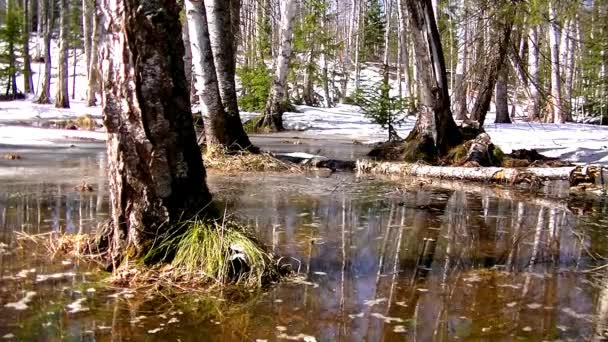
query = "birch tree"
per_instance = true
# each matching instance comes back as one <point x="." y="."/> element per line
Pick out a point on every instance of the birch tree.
<point x="554" y="38"/>
<point x="93" y="86"/>
<point x="277" y="100"/>
<point x="48" y="18"/>
<point x="62" y="100"/>
<point x="156" y="174"/>
<point x="205" y="75"/>
<point x="223" y="32"/>
<point x="435" y="131"/>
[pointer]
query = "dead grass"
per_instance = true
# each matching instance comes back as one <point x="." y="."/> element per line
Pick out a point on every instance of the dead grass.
<point x="221" y="160"/>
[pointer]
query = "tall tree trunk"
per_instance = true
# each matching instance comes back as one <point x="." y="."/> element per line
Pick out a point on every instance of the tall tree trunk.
<point x="88" y="23"/>
<point x="62" y="99"/>
<point x="308" y="90"/>
<point x="188" y="58"/>
<point x="49" y="18"/>
<point x="387" y="36"/>
<point x="222" y="39"/>
<point x="28" y="83"/>
<point x="459" y="105"/>
<point x="435" y="131"/>
<point x="275" y="107"/>
<point x="360" y="34"/>
<point x="93" y="86"/>
<point x="352" y="19"/>
<point x="156" y="174"/>
<point x="502" y="94"/>
<point x="556" y="85"/>
<point x="568" y="70"/>
<point x="495" y="55"/>
<point x="404" y="52"/>
<point x="533" y="74"/>
<point x="205" y="75"/>
<point x="324" y="68"/>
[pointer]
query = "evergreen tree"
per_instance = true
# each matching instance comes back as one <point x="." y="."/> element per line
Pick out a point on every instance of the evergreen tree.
<point x="11" y="35"/>
<point x="374" y="26"/>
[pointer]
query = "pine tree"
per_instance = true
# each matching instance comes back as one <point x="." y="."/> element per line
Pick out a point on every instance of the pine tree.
<point x="374" y="27"/>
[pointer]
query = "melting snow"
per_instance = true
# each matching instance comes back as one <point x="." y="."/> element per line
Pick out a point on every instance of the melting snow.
<point x="22" y="304"/>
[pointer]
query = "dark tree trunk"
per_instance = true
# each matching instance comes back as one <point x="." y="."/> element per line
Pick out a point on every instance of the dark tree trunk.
<point x="223" y="37"/>
<point x="502" y="94"/>
<point x="28" y="83"/>
<point x="435" y="131"/>
<point x="156" y="173"/>
<point x="497" y="49"/>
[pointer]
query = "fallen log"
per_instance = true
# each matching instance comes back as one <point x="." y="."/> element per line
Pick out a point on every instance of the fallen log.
<point x="592" y="176"/>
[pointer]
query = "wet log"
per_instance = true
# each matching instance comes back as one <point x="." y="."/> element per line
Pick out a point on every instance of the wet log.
<point x="320" y="162"/>
<point x="593" y="176"/>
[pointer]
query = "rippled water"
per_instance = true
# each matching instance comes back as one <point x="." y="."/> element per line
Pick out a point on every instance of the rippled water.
<point x="381" y="260"/>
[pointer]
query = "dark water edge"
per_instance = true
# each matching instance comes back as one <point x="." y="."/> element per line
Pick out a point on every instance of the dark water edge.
<point x="382" y="259"/>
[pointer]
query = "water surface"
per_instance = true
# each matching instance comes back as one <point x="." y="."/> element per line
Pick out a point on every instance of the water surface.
<point x="381" y="260"/>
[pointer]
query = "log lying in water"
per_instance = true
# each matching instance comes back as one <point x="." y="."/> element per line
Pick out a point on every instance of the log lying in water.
<point x="593" y="175"/>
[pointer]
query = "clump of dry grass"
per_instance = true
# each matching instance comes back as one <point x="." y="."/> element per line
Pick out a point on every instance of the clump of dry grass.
<point x="220" y="159"/>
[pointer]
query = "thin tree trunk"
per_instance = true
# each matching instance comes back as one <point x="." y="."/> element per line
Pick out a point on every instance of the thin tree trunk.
<point x="75" y="59"/>
<point x="156" y="174"/>
<point x="93" y="86"/>
<point x="556" y="86"/>
<point x="387" y="36"/>
<point x="495" y="54"/>
<point x="28" y="83"/>
<point x="87" y="30"/>
<point x="568" y="69"/>
<point x="49" y="18"/>
<point x="222" y="40"/>
<point x="502" y="94"/>
<point x="459" y="105"/>
<point x="360" y="34"/>
<point x="205" y="75"/>
<point x="62" y="99"/>
<point x="275" y="107"/>
<point x="188" y="59"/>
<point x="404" y="53"/>
<point x="533" y="74"/>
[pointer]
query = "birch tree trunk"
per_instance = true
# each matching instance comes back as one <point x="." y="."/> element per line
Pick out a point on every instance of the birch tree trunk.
<point x="156" y="174"/>
<point x="495" y="53"/>
<point x="568" y="70"/>
<point x="28" y="83"/>
<point x="88" y="23"/>
<point x="275" y="107"/>
<point x="555" y="100"/>
<point x="404" y="52"/>
<point x="533" y="74"/>
<point x="387" y="35"/>
<point x="188" y="59"/>
<point x="352" y="19"/>
<point x="459" y="105"/>
<point x="62" y="99"/>
<point x="48" y="19"/>
<point x="222" y="37"/>
<point x="501" y="95"/>
<point x="205" y="75"/>
<point x="435" y="131"/>
<point x="94" y="82"/>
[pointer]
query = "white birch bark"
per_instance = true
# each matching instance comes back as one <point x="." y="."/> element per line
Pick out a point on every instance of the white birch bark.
<point x="387" y="32"/>
<point x="205" y="77"/>
<point x="87" y="30"/>
<point x="61" y="98"/>
<point x="554" y="39"/>
<point x="459" y="106"/>
<point x="94" y="70"/>
<point x="276" y="99"/>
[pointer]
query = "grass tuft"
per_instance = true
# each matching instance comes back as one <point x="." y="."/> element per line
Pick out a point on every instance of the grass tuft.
<point x="219" y="252"/>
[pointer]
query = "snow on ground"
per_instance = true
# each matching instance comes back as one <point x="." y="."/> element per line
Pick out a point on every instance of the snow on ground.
<point x="20" y="123"/>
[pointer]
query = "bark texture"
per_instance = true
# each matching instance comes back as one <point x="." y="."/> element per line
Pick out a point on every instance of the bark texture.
<point x="156" y="172"/>
<point x="533" y="74"/>
<point x="48" y="18"/>
<point x="62" y="99"/>
<point x="435" y="131"/>
<point x="556" y="84"/>
<point x="273" y="114"/>
<point x="223" y="36"/>
<point x="28" y="83"/>
<point x="501" y="95"/>
<point x="205" y="76"/>
<point x="94" y="81"/>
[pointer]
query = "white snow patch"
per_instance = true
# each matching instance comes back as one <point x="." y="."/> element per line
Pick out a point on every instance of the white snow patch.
<point x="21" y="304"/>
